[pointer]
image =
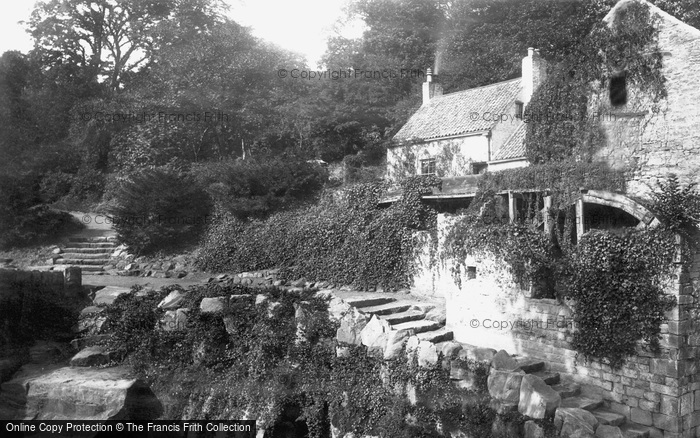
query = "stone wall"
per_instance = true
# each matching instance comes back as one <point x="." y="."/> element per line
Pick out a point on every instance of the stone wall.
<point x="651" y="144"/>
<point x="487" y="310"/>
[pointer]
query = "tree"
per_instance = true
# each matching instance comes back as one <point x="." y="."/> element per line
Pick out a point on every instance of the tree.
<point x="106" y="39"/>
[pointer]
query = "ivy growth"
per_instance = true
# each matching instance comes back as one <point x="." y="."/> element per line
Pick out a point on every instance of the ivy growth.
<point x="617" y="285"/>
<point x="347" y="239"/>
<point x="565" y="113"/>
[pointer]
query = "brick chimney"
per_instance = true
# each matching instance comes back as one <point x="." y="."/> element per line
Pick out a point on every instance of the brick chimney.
<point x="431" y="88"/>
<point x="534" y="73"/>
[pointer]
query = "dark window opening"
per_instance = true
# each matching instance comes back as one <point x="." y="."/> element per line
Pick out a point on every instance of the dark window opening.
<point x="478" y="167"/>
<point x="618" y="90"/>
<point x="471" y="272"/>
<point x="518" y="110"/>
<point x="427" y="167"/>
<point x="604" y="217"/>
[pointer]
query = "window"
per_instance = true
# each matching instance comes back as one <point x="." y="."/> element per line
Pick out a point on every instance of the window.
<point x="618" y="90"/>
<point x="518" y="110"/>
<point x="427" y="166"/>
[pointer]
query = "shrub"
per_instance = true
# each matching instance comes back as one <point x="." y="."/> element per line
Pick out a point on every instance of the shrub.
<point x="22" y="220"/>
<point x="345" y="240"/>
<point x="159" y="208"/>
<point x="255" y="188"/>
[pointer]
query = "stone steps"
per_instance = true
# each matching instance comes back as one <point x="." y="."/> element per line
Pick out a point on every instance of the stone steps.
<point x="388" y="308"/>
<point x="90" y="244"/>
<point x="106" y="251"/>
<point x="436" y="336"/>
<point x="401" y="317"/>
<point x="369" y="302"/>
<point x="86" y="255"/>
<point x="606" y="416"/>
<point x="571" y="397"/>
<point x="84" y="268"/>
<point x="106" y="239"/>
<point x="416" y="327"/>
<point x="95" y="262"/>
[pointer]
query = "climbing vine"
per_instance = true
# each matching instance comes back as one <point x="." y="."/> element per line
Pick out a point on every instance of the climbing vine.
<point x="565" y="113"/>
<point x="347" y="239"/>
<point x="616" y="283"/>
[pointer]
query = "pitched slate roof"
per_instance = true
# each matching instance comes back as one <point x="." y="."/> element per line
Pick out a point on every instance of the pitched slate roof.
<point x="462" y="112"/>
<point x="514" y="146"/>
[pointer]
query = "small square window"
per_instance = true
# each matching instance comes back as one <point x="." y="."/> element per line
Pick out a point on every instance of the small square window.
<point x="518" y="110"/>
<point x="427" y="166"/>
<point x="618" y="90"/>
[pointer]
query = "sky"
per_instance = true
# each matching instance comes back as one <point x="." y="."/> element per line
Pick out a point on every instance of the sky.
<point x="302" y="27"/>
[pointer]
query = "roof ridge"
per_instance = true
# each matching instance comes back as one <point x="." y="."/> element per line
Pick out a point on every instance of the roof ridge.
<point x="519" y="78"/>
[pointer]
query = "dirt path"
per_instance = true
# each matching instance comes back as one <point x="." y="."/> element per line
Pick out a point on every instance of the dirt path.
<point x="96" y="225"/>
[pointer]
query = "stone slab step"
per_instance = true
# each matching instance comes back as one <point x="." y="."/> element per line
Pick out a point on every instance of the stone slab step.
<point x="93" y="239"/>
<point x="398" y="318"/>
<point x="86" y="255"/>
<point x="88" y="250"/>
<point x="369" y="302"/>
<point x="85" y="268"/>
<point x="91" y="245"/>
<point x="530" y="366"/>
<point x="567" y="389"/>
<point x="388" y="308"/>
<point x="419" y="326"/>
<point x="606" y="416"/>
<point x="98" y="262"/>
<point x="436" y="336"/>
<point x="586" y="403"/>
<point x="634" y="430"/>
<point x="548" y="377"/>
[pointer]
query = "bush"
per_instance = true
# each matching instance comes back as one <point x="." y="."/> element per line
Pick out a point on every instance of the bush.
<point x="257" y="188"/>
<point x="159" y="208"/>
<point x="345" y="240"/>
<point x="22" y="220"/>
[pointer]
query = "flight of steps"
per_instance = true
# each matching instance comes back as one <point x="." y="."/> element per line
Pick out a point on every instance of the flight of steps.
<point x="90" y="253"/>
<point x="403" y="315"/>
<point x="574" y="395"/>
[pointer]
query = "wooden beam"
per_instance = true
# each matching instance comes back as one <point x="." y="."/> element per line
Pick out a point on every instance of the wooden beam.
<point x="579" y="220"/>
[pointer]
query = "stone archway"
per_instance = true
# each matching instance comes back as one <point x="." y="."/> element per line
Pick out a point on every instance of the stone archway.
<point x="634" y="209"/>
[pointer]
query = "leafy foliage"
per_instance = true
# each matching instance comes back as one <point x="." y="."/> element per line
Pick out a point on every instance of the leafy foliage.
<point x="678" y="207"/>
<point x="23" y="221"/>
<point x="255" y="188"/>
<point x="347" y="240"/>
<point x="245" y="360"/>
<point x="158" y="208"/>
<point x="563" y="119"/>
<point x="617" y="284"/>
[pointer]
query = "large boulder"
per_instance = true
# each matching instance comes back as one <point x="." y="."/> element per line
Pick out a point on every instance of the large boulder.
<point x="174" y="320"/>
<point x="427" y="354"/>
<point x="533" y="430"/>
<point x="351" y="325"/>
<point x="537" y="399"/>
<point x="82" y="394"/>
<point x="504" y="361"/>
<point x="395" y="343"/>
<point x="91" y="357"/>
<point x="109" y="294"/>
<point x="375" y="334"/>
<point x="174" y="300"/>
<point x="212" y="305"/>
<point x="504" y="386"/>
<point x="607" y="431"/>
<point x="569" y="420"/>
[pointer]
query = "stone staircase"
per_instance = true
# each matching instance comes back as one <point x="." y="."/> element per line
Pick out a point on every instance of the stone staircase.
<point x="91" y="254"/>
<point x="574" y="395"/>
<point x="403" y="315"/>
